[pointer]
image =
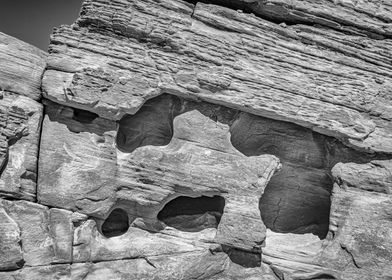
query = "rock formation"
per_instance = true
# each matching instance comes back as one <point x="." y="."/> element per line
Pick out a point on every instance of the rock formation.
<point x="173" y="139"/>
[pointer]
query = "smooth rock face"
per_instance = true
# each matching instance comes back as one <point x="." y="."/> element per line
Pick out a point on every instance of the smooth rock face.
<point x="189" y="140"/>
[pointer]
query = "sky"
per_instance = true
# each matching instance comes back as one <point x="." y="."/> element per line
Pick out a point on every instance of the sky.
<point x="32" y="21"/>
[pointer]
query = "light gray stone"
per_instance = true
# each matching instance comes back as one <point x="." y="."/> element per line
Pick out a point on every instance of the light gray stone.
<point x="20" y="123"/>
<point x="22" y="67"/>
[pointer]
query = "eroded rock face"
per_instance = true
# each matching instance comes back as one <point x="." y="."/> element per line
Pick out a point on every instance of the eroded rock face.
<point x="20" y="126"/>
<point x="189" y="140"/>
<point x="22" y="67"/>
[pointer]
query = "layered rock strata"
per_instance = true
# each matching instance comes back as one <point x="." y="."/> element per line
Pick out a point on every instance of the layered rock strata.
<point x="200" y="140"/>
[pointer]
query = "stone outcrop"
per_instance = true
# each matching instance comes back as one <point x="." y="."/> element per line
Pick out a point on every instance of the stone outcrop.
<point x="22" y="67"/>
<point x="171" y="139"/>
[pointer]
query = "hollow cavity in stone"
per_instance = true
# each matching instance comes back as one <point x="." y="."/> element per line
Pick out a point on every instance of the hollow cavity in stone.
<point x="193" y="214"/>
<point x="297" y="199"/>
<point x="83" y="116"/>
<point x="243" y="258"/>
<point x="116" y="223"/>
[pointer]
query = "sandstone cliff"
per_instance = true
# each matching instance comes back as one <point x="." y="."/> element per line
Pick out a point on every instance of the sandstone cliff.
<point x="172" y="139"/>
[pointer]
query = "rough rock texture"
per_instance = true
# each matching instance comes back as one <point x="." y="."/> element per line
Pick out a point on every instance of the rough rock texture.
<point x="222" y="140"/>
<point x="22" y="67"/>
<point x="122" y="53"/>
<point x="198" y="161"/>
<point x="20" y="123"/>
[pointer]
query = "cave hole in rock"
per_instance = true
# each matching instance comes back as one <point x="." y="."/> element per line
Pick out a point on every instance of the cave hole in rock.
<point x="323" y="276"/>
<point x="297" y="199"/>
<point x="193" y="214"/>
<point x="116" y="223"/>
<point x="153" y="123"/>
<point x="83" y="116"/>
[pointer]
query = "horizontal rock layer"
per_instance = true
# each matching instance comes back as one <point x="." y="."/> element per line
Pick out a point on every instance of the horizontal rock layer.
<point x="22" y="67"/>
<point x="371" y="18"/>
<point x="122" y="53"/>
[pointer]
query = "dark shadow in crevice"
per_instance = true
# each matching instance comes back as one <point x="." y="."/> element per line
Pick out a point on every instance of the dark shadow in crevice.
<point x="323" y="276"/>
<point x="153" y="123"/>
<point x="77" y="120"/>
<point x="243" y="258"/>
<point x="83" y="116"/>
<point x="193" y="214"/>
<point x="297" y="198"/>
<point x="266" y="12"/>
<point x="291" y="15"/>
<point x="116" y="224"/>
<point x="6" y="145"/>
<point x="297" y="201"/>
<point x="4" y="157"/>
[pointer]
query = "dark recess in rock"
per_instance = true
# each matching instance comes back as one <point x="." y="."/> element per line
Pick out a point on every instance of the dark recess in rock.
<point x="3" y="161"/>
<point x="83" y="116"/>
<point x="193" y="214"/>
<point x="81" y="121"/>
<point x="116" y="223"/>
<point x="243" y="258"/>
<point x="297" y="199"/>
<point x="151" y="125"/>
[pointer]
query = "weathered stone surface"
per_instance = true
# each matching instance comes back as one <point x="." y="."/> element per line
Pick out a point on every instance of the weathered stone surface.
<point x="375" y="176"/>
<point x="221" y="56"/>
<point x="22" y="67"/>
<point x="372" y="18"/>
<point x="295" y="256"/>
<point x="34" y="235"/>
<point x="186" y="140"/>
<point x="360" y="224"/>
<point x="358" y="245"/>
<point x="198" y="161"/>
<point x="20" y="124"/>
<point x="11" y="252"/>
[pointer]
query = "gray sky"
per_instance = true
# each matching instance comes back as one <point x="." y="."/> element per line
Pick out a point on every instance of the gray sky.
<point x="32" y="21"/>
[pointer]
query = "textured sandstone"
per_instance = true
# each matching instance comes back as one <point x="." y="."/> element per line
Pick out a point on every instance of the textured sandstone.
<point x="185" y="140"/>
<point x="21" y="70"/>
<point x="20" y="123"/>
<point x="220" y="56"/>
<point x="185" y="266"/>
<point x="361" y="223"/>
<point x="42" y="236"/>
<point x="22" y="67"/>
<point x="199" y="160"/>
